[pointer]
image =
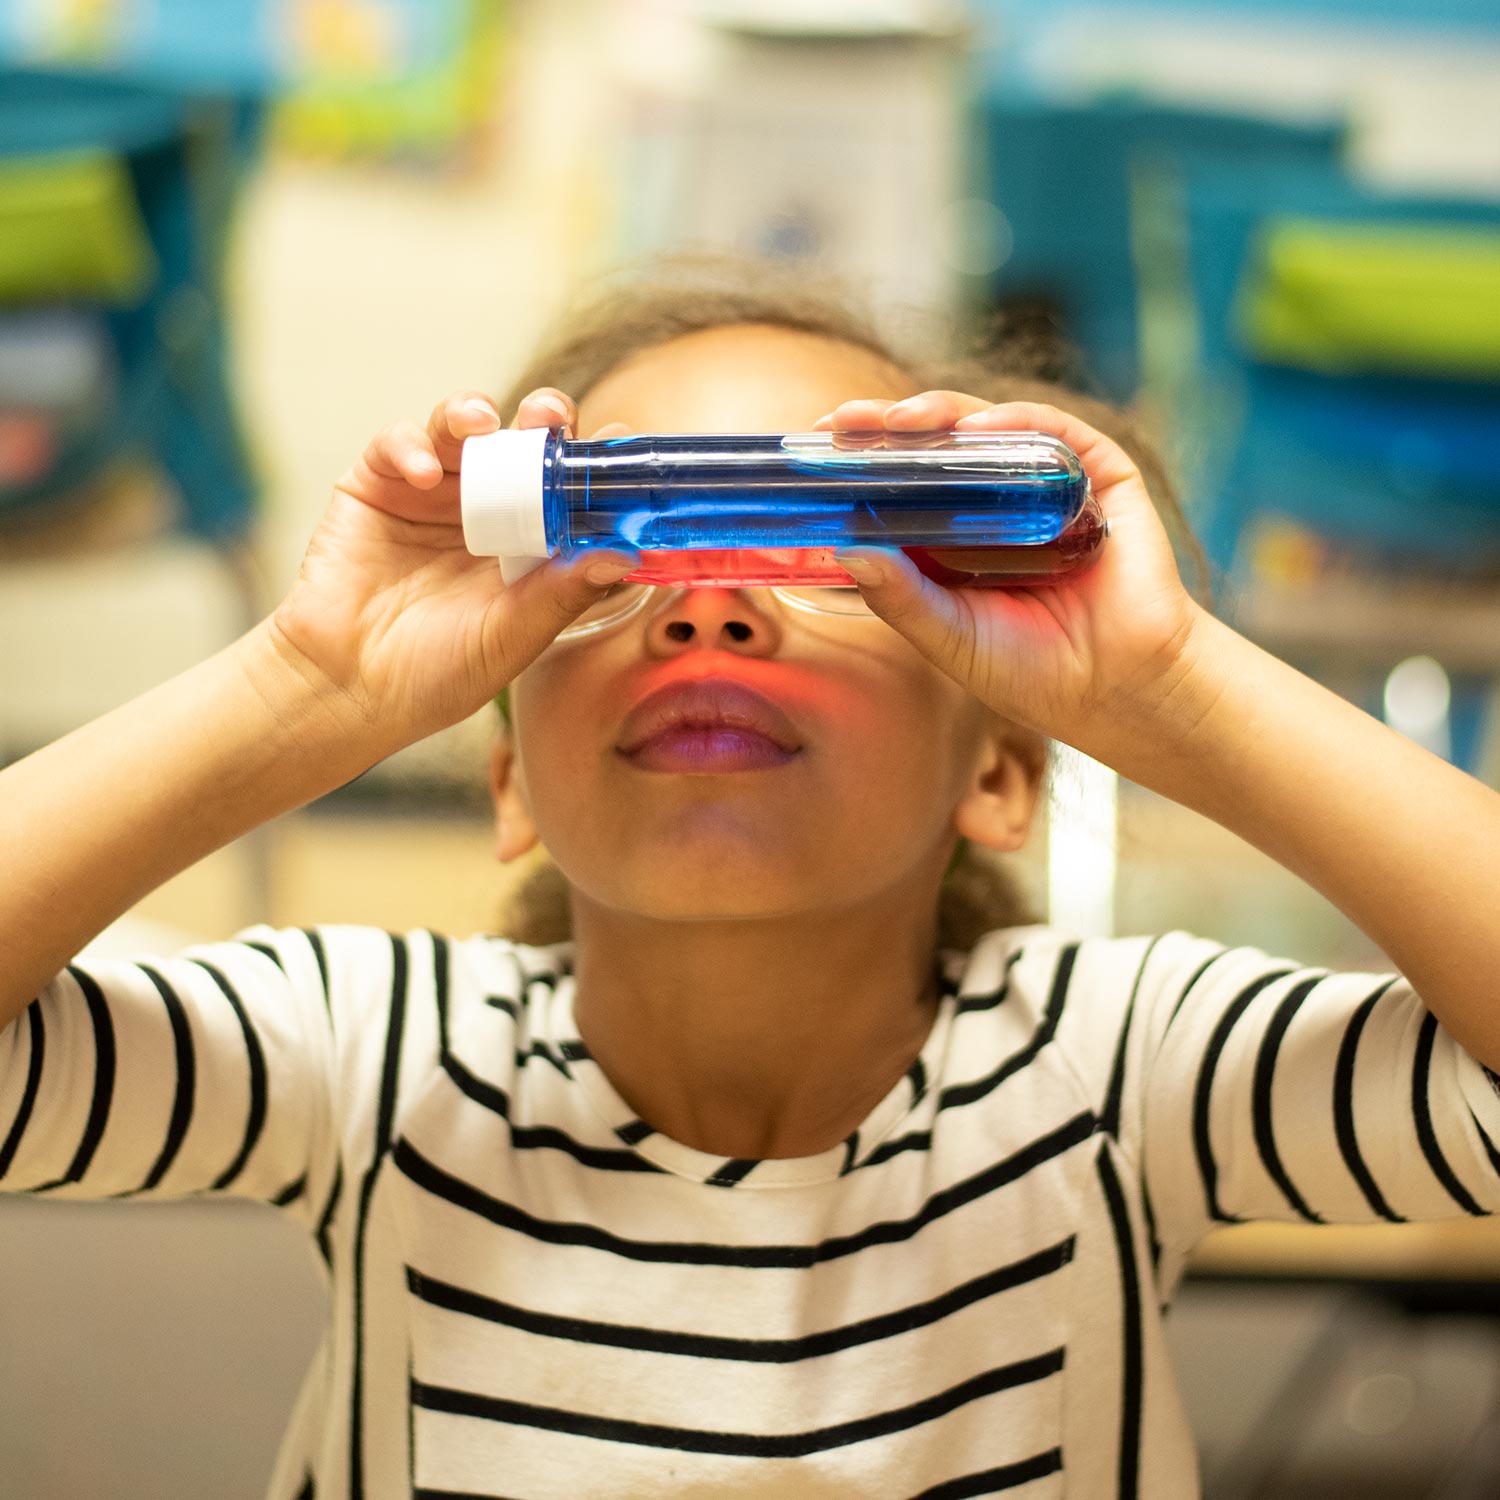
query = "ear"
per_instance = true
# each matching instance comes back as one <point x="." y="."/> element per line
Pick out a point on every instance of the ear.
<point x="514" y="831"/>
<point x="998" y="807"/>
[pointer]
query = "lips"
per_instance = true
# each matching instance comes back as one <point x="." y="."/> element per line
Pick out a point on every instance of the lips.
<point x="707" y="705"/>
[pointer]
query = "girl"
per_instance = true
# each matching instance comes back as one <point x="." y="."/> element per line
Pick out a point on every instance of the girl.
<point x="757" y="1182"/>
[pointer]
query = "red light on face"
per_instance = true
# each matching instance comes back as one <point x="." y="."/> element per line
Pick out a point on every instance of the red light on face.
<point x="740" y="567"/>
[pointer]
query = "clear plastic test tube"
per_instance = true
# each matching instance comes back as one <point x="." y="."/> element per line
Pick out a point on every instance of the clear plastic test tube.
<point x="979" y="509"/>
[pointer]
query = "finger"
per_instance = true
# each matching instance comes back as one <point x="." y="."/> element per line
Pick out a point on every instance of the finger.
<point x="934" y="619"/>
<point x="1105" y="462"/>
<point x="931" y="411"/>
<point x="857" y="416"/>
<point x="547" y="407"/>
<point x="551" y="597"/>
<point x="921" y="421"/>
<point x="464" y="414"/>
<point x="855" y="424"/>
<point x="613" y="430"/>
<point x="403" y="451"/>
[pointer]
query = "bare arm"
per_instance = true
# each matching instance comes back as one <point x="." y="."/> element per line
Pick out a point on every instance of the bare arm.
<point x="110" y="812"/>
<point x="1404" y="844"/>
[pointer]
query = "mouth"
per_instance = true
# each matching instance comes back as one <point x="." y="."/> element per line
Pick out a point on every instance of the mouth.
<point x="707" y="725"/>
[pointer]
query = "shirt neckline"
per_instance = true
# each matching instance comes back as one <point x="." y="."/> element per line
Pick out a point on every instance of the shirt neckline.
<point x="682" y="1160"/>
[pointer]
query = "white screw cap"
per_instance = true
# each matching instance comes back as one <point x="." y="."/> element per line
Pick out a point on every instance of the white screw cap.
<point x="500" y="489"/>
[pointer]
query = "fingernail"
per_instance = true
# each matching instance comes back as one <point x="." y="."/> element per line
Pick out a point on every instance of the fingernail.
<point x="912" y="403"/>
<point x="603" y="573"/>
<point x="552" y="404"/>
<point x="859" y="568"/>
<point x="477" y="408"/>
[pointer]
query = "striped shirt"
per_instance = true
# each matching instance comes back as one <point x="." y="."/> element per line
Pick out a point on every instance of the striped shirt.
<point x="534" y="1295"/>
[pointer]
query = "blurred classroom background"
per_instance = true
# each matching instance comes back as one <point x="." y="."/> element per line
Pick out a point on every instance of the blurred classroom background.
<point x="237" y="236"/>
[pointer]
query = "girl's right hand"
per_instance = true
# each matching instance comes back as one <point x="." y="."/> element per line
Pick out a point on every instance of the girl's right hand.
<point x="391" y="619"/>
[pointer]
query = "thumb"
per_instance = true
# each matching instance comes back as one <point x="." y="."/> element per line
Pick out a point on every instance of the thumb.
<point x="550" y="598"/>
<point x="937" y="621"/>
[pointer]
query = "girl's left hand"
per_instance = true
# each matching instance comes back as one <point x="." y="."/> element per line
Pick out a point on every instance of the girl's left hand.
<point x="1079" y="660"/>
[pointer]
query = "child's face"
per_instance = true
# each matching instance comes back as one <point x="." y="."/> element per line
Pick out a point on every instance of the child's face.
<point x="894" y="758"/>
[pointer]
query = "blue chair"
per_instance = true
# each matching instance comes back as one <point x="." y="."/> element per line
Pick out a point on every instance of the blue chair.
<point x="1407" y="461"/>
<point x="1397" y="469"/>
<point x="1066" y="176"/>
<point x="186" y="157"/>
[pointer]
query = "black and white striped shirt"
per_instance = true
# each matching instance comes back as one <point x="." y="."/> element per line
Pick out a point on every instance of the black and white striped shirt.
<point x="536" y="1296"/>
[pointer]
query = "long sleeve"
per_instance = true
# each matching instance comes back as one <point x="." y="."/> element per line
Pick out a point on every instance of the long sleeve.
<point x="1250" y="1087"/>
<point x="208" y="1072"/>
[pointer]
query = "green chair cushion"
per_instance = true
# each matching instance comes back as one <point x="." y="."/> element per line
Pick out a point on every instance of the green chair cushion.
<point x="70" y="226"/>
<point x="1419" y="299"/>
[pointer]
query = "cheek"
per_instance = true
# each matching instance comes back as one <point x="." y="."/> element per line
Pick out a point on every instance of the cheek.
<point x="554" y="751"/>
<point x="893" y="752"/>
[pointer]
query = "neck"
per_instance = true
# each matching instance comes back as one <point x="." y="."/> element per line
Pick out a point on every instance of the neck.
<point x="756" y="1037"/>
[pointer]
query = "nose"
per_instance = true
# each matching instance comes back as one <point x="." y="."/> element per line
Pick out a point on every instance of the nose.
<point x="713" y="619"/>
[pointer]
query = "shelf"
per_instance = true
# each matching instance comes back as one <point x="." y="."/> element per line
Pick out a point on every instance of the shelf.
<point x="1378" y="623"/>
<point x="1449" y="1250"/>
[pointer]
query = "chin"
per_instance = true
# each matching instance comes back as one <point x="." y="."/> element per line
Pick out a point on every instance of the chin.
<point x="686" y="912"/>
<point x="718" y="865"/>
<point x="722" y="894"/>
<point x="721" y="886"/>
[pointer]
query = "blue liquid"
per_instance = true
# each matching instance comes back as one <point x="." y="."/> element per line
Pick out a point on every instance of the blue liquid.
<point x="684" y="493"/>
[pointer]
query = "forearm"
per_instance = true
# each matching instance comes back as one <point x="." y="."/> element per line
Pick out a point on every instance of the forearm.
<point x="104" y="816"/>
<point x="1406" y="845"/>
